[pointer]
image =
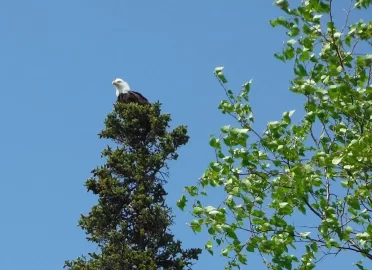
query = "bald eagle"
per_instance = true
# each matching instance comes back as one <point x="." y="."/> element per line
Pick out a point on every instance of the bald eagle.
<point x="125" y="95"/>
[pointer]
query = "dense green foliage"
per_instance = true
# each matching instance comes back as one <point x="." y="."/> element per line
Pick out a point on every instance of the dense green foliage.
<point x="131" y="221"/>
<point x="298" y="192"/>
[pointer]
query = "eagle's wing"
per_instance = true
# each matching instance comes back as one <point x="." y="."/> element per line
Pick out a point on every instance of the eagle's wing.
<point x="140" y="98"/>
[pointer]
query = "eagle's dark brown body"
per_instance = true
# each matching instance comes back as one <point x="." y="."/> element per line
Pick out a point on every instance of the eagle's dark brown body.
<point x="132" y="97"/>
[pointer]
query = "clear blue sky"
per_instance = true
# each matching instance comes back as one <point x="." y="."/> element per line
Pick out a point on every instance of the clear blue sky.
<point x="58" y="59"/>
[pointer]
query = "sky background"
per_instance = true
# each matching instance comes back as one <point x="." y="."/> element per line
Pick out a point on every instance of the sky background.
<point x="58" y="59"/>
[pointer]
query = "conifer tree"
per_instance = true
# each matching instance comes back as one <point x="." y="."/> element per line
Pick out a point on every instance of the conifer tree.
<point x="131" y="222"/>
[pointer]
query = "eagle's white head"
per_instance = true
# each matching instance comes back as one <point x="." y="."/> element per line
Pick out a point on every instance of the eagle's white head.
<point x="121" y="86"/>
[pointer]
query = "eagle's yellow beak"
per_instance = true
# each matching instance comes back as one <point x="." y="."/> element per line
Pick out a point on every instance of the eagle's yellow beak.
<point x="114" y="83"/>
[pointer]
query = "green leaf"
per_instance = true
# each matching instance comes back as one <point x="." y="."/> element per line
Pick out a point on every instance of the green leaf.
<point x="283" y="204"/>
<point x="360" y="266"/>
<point x="242" y="258"/>
<point x="195" y="226"/>
<point x="181" y="203"/>
<point x="314" y="247"/>
<point x="225" y="252"/>
<point x="305" y="234"/>
<point x="208" y="246"/>
<point x="212" y="231"/>
<point x="305" y="55"/>
<point x="336" y="160"/>
<point x="197" y="210"/>
<point x="280" y="21"/>
<point x="218" y="71"/>
<point x="225" y="129"/>
<point x="301" y="70"/>
<point x="291" y="42"/>
<point x="280" y="57"/>
<point x="215" y="143"/>
<point x="247" y="86"/>
<point x="332" y="243"/>
<point x="192" y="190"/>
<point x="363" y="236"/>
<point x="348" y="229"/>
<point x="353" y="202"/>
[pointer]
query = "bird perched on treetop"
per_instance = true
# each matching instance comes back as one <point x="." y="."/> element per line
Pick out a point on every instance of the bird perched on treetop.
<point x="125" y="95"/>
